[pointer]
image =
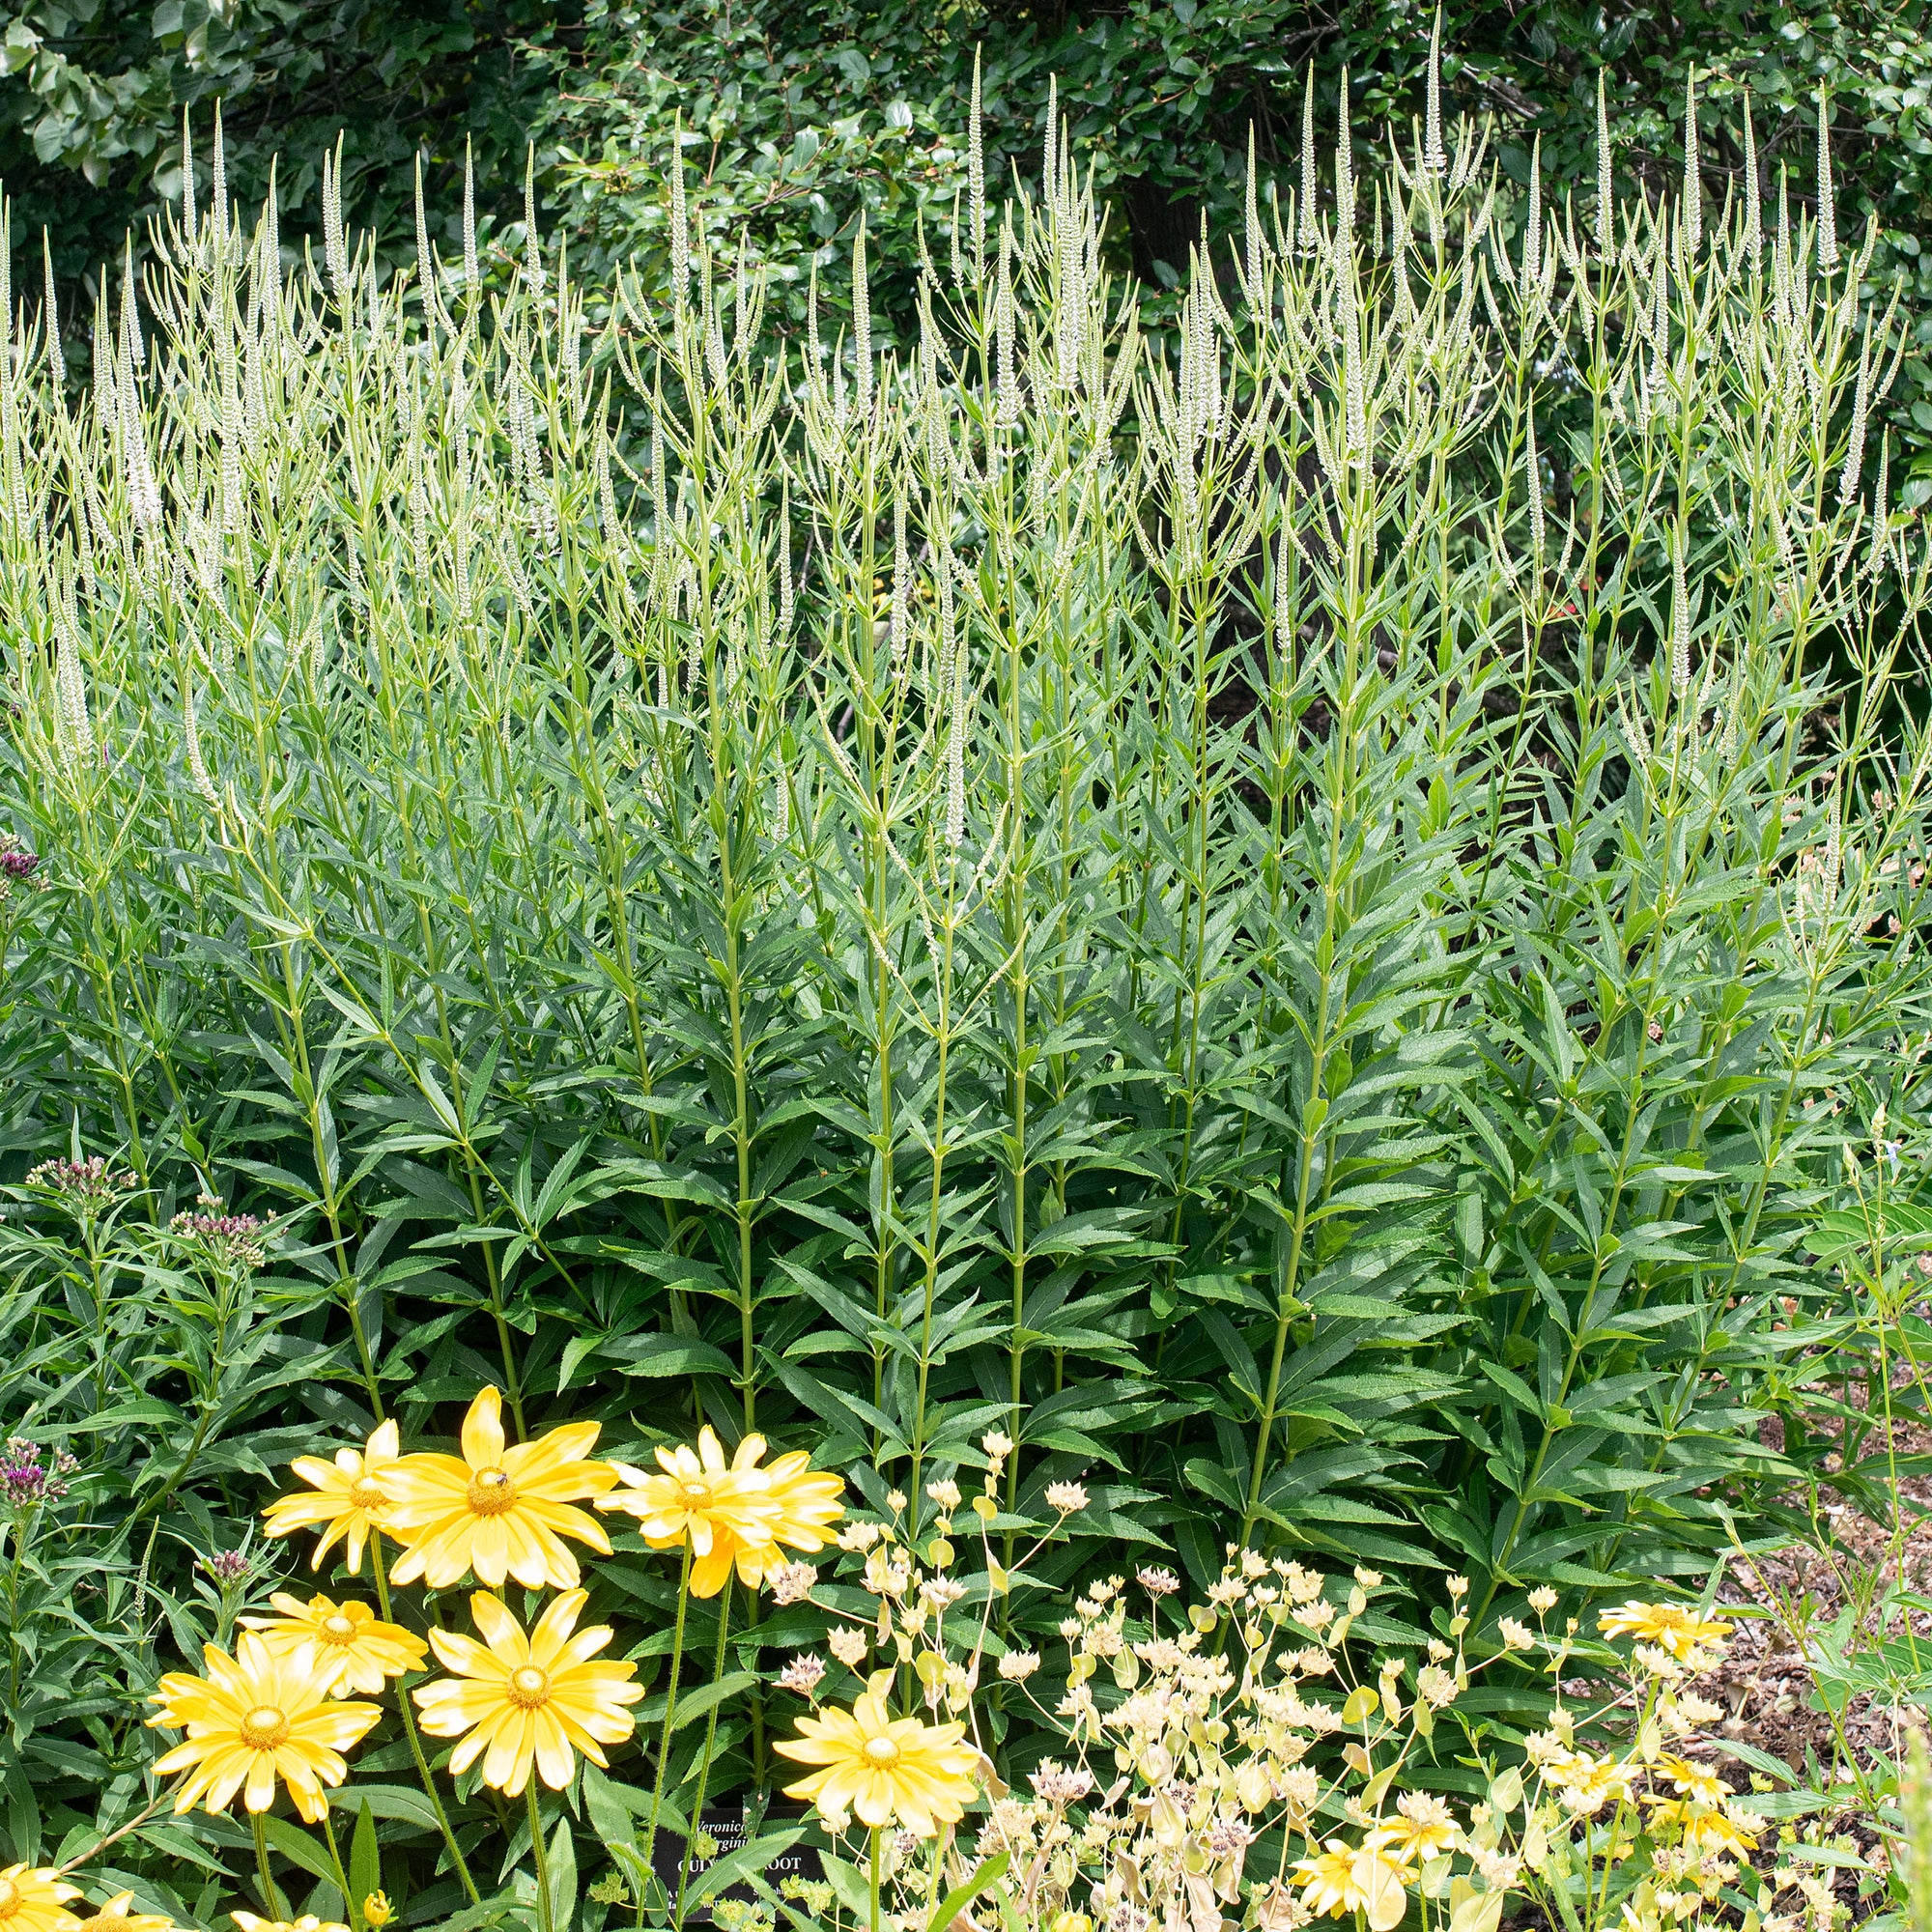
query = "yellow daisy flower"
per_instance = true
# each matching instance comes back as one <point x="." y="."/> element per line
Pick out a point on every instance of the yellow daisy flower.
<point x="365" y="1652"/>
<point x="527" y="1700"/>
<point x="1422" y="1827"/>
<point x="114" y="1916"/>
<point x="307" y="1923"/>
<point x="32" y="1901"/>
<point x="257" y="1717"/>
<point x="807" y="1502"/>
<point x="1339" y="1881"/>
<point x="500" y="1512"/>
<point x="1672" y="1626"/>
<point x="880" y="1767"/>
<point x="351" y="1501"/>
<point x="1699" y="1781"/>
<point x="693" y="1496"/>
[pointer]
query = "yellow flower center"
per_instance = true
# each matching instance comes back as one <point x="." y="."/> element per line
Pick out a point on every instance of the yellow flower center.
<point x="528" y="1687"/>
<point x="880" y="1753"/>
<point x="11" y="1898"/>
<point x="264" y="1729"/>
<point x="697" y="1492"/>
<point x="490" y="1491"/>
<point x="366" y="1494"/>
<point x="338" y="1628"/>
<point x="105" y="1921"/>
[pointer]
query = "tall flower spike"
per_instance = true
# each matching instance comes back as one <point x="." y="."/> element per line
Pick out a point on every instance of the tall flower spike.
<point x="218" y="207"/>
<point x="1854" y="445"/>
<point x="1344" y="167"/>
<point x="57" y="361"/>
<point x="901" y="618"/>
<point x="1049" y="166"/>
<point x="188" y="179"/>
<point x="680" y="218"/>
<point x="334" y="245"/>
<point x="1532" y="222"/>
<point x="976" y="176"/>
<point x="196" y="767"/>
<point x="1680" y="621"/>
<point x="534" y="266"/>
<point x="1306" y="234"/>
<point x="1606" y="178"/>
<point x="1433" y="161"/>
<point x="425" y="257"/>
<point x="1827" y="223"/>
<point x="1251" y="216"/>
<point x="861" y="319"/>
<point x="472" y="275"/>
<point x="1753" y="215"/>
<point x="1693" y="184"/>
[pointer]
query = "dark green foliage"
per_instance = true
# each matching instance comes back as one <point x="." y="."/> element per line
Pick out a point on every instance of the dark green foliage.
<point x="93" y="91"/>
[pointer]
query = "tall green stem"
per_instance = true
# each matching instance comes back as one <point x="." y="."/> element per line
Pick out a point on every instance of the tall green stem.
<point x="272" y="1902"/>
<point x="546" y="1914"/>
<point x="669" y="1717"/>
<point x="697" y="1821"/>
<point x="434" y="1795"/>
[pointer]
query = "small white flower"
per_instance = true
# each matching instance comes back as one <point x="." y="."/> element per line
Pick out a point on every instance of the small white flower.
<point x="1017" y="1666"/>
<point x="791" y="1583"/>
<point x="802" y="1674"/>
<point x="848" y="1646"/>
<point x="1068" y="1499"/>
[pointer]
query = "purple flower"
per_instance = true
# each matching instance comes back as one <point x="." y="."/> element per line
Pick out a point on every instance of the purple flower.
<point x="80" y="1183"/>
<point x="25" y="1480"/>
<point x="17" y="865"/>
<point x="228" y="1567"/>
<point x="227" y="1238"/>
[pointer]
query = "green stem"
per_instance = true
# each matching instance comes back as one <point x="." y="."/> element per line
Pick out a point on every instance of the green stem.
<point x="416" y="1742"/>
<point x="664" y="1741"/>
<point x="875" y="1879"/>
<point x="537" y="1852"/>
<point x="272" y="1902"/>
<point x="696" y="1820"/>
<point x="349" y="1905"/>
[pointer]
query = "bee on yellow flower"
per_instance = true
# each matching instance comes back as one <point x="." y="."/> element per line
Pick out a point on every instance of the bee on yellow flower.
<point x="880" y="1767"/>
<point x="695" y="1496"/>
<point x="1672" y="1626"/>
<point x="364" y="1651"/>
<point x="499" y="1510"/>
<point x="254" y="1719"/>
<point x="520" y="1701"/>
<point x="349" y="1503"/>
<point x="113" y="1916"/>
<point x="35" y="1900"/>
